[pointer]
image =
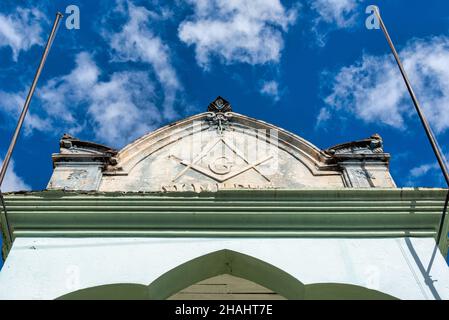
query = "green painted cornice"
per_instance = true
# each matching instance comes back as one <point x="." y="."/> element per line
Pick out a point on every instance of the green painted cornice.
<point x="364" y="213"/>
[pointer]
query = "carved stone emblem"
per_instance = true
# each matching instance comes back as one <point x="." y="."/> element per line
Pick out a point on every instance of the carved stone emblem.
<point x="219" y="113"/>
<point x="219" y="105"/>
<point x="77" y="175"/>
<point x="221" y="165"/>
<point x="220" y="168"/>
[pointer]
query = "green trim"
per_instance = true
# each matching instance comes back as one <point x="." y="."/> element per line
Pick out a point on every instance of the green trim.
<point x="387" y="193"/>
<point x="6" y="241"/>
<point x="444" y="242"/>
<point x="226" y="262"/>
<point x="235" y="264"/>
<point x="230" y="213"/>
<point x="338" y="291"/>
<point x="223" y="234"/>
<point x="117" y="291"/>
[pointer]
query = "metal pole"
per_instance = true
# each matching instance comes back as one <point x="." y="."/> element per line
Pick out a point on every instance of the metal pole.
<point x="7" y="159"/>
<point x="421" y="115"/>
<point x="8" y="230"/>
<point x="28" y="99"/>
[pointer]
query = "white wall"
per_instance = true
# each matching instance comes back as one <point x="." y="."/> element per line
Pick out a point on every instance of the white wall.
<point x="46" y="268"/>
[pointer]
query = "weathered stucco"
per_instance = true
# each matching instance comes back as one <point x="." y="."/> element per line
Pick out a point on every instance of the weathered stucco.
<point x="219" y="150"/>
<point x="43" y="268"/>
<point x="222" y="193"/>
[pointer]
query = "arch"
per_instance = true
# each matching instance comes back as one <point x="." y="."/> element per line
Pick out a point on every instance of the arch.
<point x="343" y="291"/>
<point x="233" y="263"/>
<point x="304" y="151"/>
<point x="117" y="291"/>
<point x="226" y="262"/>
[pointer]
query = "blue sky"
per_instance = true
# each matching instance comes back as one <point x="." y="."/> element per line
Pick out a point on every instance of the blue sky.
<point x="311" y="67"/>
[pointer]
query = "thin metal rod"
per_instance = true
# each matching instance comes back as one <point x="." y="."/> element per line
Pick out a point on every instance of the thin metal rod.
<point x="26" y="106"/>
<point x="421" y="115"/>
<point x="28" y="99"/>
<point x="8" y="230"/>
<point x="440" y="230"/>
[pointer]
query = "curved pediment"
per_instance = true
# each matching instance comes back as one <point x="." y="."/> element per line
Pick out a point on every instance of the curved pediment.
<point x="221" y="149"/>
<point x="192" y="132"/>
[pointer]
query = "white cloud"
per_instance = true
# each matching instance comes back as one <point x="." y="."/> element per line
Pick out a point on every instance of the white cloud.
<point x="118" y="110"/>
<point x="237" y="30"/>
<point x="63" y="96"/>
<point x="331" y="15"/>
<point x="271" y="89"/>
<point x="117" y="107"/>
<point x="342" y="13"/>
<point x="21" y="30"/>
<point x="431" y="170"/>
<point x="423" y="169"/>
<point x="137" y="42"/>
<point x="323" y="116"/>
<point x="11" y="105"/>
<point x="12" y="181"/>
<point x="373" y="90"/>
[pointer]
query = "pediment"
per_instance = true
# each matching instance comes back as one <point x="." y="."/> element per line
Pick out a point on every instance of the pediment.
<point x="221" y="149"/>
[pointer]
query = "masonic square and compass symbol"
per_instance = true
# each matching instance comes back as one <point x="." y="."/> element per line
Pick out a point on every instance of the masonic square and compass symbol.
<point x="221" y="167"/>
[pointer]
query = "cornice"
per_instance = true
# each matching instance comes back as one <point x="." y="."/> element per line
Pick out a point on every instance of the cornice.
<point x="309" y="213"/>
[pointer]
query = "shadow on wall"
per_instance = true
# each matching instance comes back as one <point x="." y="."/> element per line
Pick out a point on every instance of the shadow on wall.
<point x="1" y="244"/>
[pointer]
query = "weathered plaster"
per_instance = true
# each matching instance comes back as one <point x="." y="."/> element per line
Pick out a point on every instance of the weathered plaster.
<point x="401" y="267"/>
<point x="198" y="186"/>
<point x="344" y="212"/>
<point x="219" y="150"/>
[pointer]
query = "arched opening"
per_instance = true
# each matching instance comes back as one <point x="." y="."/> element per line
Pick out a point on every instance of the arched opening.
<point x="226" y="267"/>
<point x="226" y="287"/>
<point x="226" y="262"/>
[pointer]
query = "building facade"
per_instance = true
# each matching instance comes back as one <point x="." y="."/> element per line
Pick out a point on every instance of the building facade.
<point x="220" y="205"/>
